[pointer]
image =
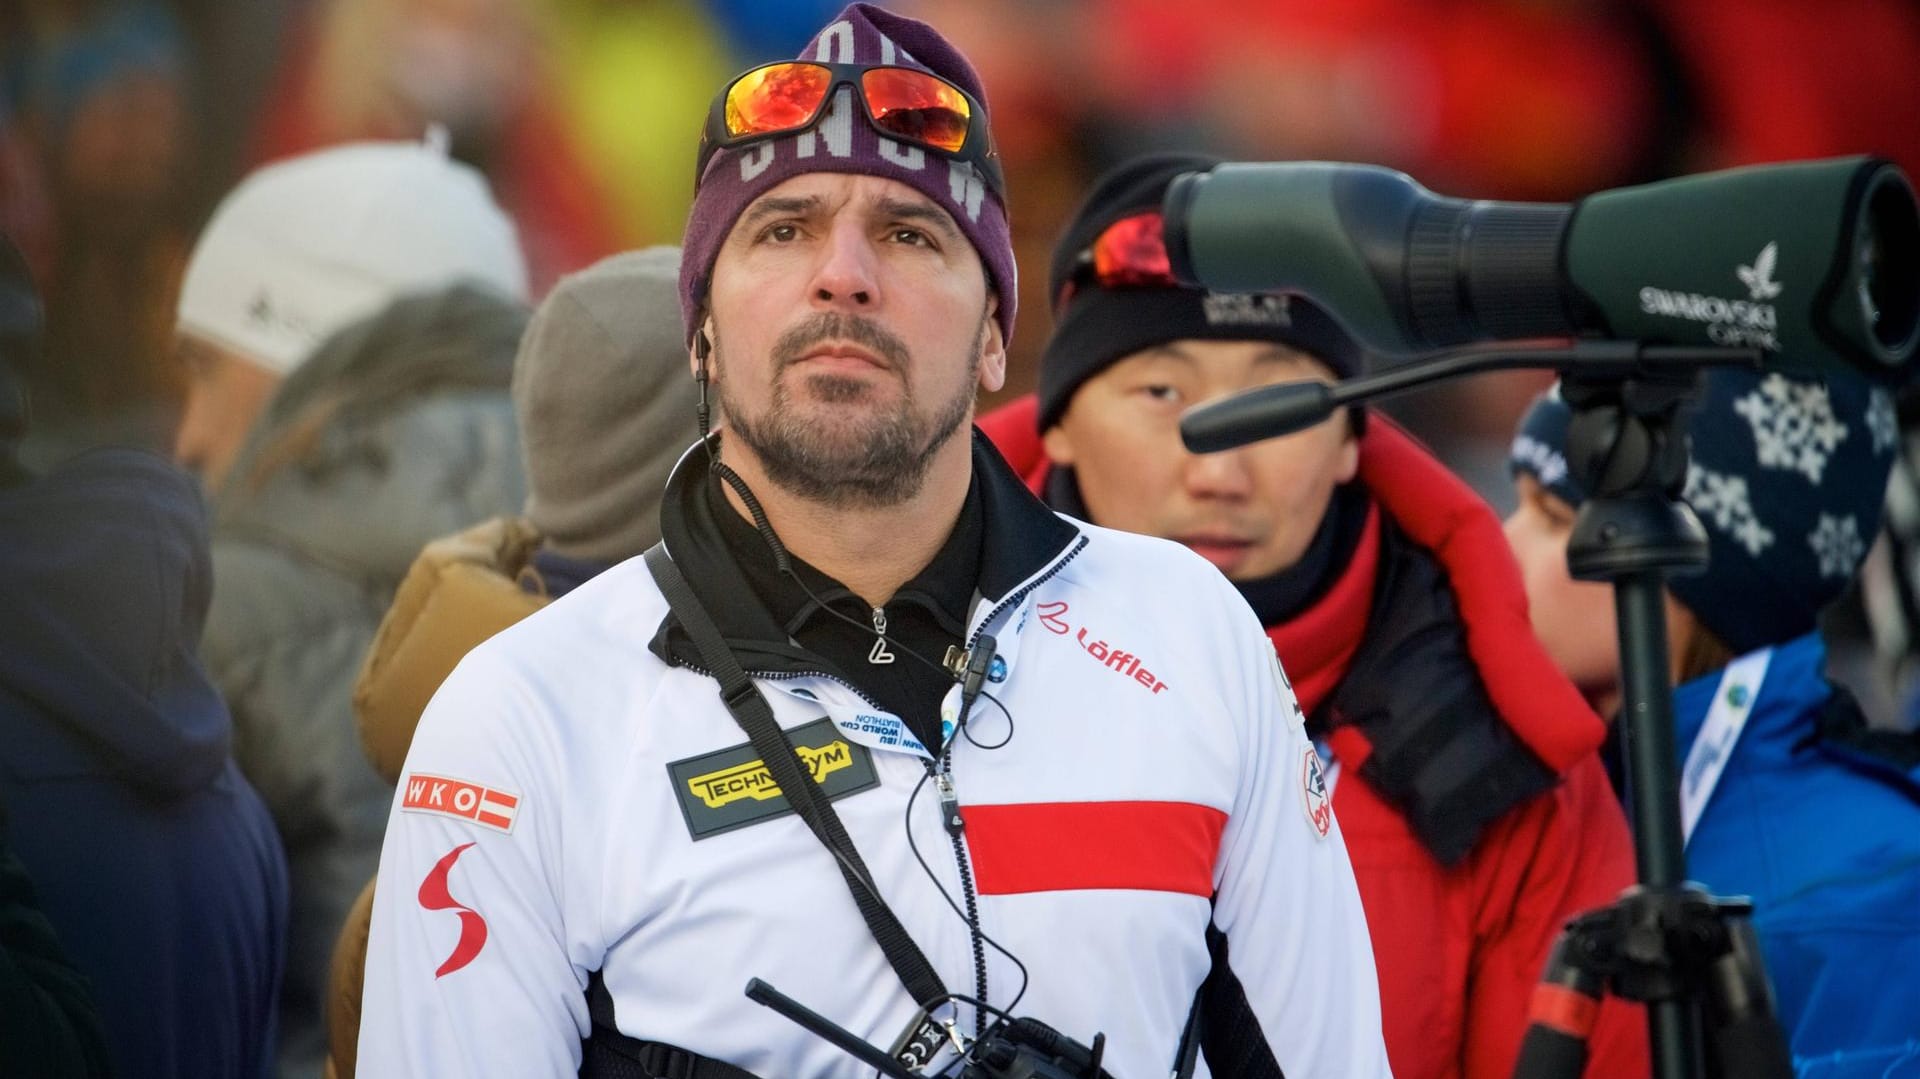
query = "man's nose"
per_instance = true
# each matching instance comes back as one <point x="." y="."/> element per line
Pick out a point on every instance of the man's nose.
<point x="1219" y="475"/>
<point x="847" y="277"/>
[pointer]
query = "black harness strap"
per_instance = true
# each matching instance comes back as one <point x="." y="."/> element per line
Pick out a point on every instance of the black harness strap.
<point x="609" y="1054"/>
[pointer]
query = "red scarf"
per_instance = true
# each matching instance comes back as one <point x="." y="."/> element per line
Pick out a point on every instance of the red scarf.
<point x="1316" y="645"/>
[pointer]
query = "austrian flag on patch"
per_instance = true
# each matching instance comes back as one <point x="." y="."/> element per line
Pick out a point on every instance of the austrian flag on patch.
<point x="496" y="809"/>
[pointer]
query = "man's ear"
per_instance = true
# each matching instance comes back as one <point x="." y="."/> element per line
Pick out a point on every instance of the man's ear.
<point x="993" y="349"/>
<point x="700" y="348"/>
<point x="1348" y="465"/>
<point x="1059" y="445"/>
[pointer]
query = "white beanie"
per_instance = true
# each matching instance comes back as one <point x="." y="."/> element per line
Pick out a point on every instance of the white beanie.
<point x="305" y="246"/>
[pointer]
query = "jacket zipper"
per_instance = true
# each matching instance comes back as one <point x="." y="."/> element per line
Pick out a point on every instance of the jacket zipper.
<point x="956" y="825"/>
<point x="950" y="803"/>
<point x="880" y="653"/>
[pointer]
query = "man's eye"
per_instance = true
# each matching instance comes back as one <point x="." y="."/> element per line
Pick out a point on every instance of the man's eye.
<point x="781" y="233"/>
<point x="911" y="237"/>
<point x="1161" y="393"/>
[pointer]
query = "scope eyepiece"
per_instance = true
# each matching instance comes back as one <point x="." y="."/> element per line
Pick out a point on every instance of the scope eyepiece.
<point x="1887" y="261"/>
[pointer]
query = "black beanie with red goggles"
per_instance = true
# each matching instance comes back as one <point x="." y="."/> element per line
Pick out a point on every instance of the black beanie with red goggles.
<point x="1113" y="293"/>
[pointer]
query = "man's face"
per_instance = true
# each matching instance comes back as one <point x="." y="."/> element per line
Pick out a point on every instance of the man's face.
<point x="225" y="394"/>
<point x="1573" y="619"/>
<point x="852" y="328"/>
<point x="1250" y="511"/>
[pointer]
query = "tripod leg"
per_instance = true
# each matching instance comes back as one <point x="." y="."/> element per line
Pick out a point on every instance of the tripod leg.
<point x="1565" y="1005"/>
<point x="1653" y="789"/>
<point x="1745" y="1034"/>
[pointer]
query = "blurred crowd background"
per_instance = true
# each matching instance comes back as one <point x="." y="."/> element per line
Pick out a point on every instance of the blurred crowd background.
<point x="123" y="121"/>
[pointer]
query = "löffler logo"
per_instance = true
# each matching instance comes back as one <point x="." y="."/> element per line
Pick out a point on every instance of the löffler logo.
<point x="434" y="895"/>
<point x="1052" y="616"/>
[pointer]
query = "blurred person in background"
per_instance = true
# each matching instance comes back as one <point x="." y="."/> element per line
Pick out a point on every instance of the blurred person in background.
<point x="1787" y="796"/>
<point x="389" y="69"/>
<point x="49" y="1023"/>
<point x="605" y="408"/>
<point x="304" y="248"/>
<point x="154" y="860"/>
<point x="627" y="76"/>
<point x="1889" y="584"/>
<point x="47" y="1009"/>
<point x="97" y="99"/>
<point x="349" y="320"/>
<point x="396" y="431"/>
<point x="1463" y="765"/>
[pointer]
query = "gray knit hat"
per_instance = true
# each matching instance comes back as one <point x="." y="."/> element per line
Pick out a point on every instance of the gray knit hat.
<point x="605" y="404"/>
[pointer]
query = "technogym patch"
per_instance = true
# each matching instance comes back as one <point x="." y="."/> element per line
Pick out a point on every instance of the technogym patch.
<point x="732" y="788"/>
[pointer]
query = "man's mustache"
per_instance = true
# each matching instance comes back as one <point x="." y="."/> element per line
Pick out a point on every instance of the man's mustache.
<point x="794" y="344"/>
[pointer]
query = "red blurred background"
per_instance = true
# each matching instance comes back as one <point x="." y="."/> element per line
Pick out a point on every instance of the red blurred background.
<point x="123" y="121"/>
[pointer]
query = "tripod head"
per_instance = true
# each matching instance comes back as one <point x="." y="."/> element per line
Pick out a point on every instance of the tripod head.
<point x="1627" y="444"/>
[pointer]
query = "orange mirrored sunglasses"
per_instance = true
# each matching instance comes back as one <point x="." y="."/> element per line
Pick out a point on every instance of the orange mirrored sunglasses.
<point x="904" y="103"/>
<point x="1130" y="253"/>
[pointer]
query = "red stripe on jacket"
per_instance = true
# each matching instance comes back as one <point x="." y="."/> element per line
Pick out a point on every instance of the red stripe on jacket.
<point x="1067" y="846"/>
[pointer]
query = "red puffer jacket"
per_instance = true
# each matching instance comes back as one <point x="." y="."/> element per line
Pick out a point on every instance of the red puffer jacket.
<point x="1465" y="892"/>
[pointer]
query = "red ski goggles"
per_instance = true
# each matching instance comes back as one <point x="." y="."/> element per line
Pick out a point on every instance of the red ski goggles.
<point x="903" y="103"/>
<point x="1130" y="253"/>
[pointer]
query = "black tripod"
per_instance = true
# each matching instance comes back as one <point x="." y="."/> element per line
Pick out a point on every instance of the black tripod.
<point x="1689" y="956"/>
<point x="1667" y="943"/>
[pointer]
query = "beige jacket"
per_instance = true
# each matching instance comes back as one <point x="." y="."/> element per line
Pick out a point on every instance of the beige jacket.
<point x="461" y="590"/>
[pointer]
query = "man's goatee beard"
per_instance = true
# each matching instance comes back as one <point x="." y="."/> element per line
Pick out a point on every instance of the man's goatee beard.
<point x="882" y="465"/>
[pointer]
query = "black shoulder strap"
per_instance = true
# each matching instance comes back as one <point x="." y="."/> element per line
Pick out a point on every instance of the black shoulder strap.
<point x="609" y="1054"/>
<point x="1188" y="1053"/>
<point x="755" y="716"/>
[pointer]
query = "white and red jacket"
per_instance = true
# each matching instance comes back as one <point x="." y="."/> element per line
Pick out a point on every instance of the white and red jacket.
<point x="1154" y="814"/>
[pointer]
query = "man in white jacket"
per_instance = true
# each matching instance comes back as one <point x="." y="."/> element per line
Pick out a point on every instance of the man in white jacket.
<point x="1060" y="761"/>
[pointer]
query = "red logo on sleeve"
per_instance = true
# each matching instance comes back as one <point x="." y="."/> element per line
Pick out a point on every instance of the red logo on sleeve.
<point x="1316" y="799"/>
<point x="473" y="928"/>
<point x="496" y="809"/>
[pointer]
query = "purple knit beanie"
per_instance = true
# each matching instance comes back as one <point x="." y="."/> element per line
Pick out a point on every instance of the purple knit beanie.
<point x="842" y="142"/>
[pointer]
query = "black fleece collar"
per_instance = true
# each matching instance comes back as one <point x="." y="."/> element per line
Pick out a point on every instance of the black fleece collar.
<point x="944" y="588"/>
<point x="1019" y="537"/>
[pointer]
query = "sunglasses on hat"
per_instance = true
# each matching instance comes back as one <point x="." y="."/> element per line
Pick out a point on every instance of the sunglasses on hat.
<point x="903" y="103"/>
<point x="1130" y="253"/>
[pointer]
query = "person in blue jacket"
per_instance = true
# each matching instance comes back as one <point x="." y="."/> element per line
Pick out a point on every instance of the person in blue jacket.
<point x="1787" y="794"/>
<point x="154" y="860"/>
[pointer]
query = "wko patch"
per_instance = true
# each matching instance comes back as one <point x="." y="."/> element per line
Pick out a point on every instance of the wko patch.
<point x="731" y="788"/>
